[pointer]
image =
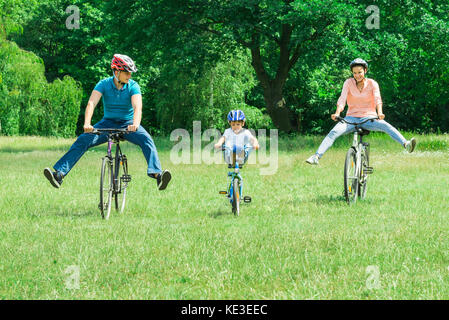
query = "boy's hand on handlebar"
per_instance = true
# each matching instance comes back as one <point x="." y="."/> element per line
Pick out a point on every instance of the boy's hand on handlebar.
<point x="381" y="116"/>
<point x="217" y="146"/>
<point x="256" y="147"/>
<point x="88" y="128"/>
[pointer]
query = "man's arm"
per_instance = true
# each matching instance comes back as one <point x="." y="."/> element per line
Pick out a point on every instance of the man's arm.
<point x="93" y="101"/>
<point x="136" y="101"/>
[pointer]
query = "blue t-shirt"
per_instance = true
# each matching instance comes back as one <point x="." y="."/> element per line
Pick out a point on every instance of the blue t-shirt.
<point x="117" y="103"/>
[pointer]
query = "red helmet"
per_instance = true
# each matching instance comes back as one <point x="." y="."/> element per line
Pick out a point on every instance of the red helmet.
<point x="123" y="63"/>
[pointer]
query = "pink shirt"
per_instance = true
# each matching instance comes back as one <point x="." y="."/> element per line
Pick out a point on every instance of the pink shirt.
<point x="360" y="104"/>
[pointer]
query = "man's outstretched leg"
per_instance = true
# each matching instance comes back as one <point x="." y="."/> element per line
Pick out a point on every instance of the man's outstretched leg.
<point x="143" y="139"/>
<point x="76" y="151"/>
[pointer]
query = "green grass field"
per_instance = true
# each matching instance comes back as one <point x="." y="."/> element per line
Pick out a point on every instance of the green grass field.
<point x="298" y="239"/>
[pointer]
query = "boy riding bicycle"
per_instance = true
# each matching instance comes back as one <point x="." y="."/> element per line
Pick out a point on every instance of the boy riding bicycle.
<point x="122" y="103"/>
<point x="237" y="136"/>
<point x="364" y="102"/>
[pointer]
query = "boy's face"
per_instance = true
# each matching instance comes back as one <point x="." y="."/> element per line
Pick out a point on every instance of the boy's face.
<point x="236" y="126"/>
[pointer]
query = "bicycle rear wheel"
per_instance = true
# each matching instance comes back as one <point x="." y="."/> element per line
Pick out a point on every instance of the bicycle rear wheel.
<point x="106" y="187"/>
<point x="236" y="197"/>
<point x="122" y="184"/>
<point x="351" y="176"/>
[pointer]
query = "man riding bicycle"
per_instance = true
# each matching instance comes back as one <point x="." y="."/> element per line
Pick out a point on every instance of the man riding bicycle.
<point x="363" y="98"/>
<point x="122" y="103"/>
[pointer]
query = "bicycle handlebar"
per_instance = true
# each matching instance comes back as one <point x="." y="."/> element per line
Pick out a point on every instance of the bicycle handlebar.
<point x="109" y="130"/>
<point x="342" y="119"/>
<point x="245" y="147"/>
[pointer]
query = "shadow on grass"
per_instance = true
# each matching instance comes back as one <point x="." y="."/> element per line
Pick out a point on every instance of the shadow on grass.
<point x="334" y="199"/>
<point x="330" y="199"/>
<point x="220" y="213"/>
<point x="74" y="212"/>
<point x="32" y="149"/>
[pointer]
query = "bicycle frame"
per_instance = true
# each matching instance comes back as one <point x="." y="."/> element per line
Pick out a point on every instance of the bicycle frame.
<point x="361" y="149"/>
<point x="233" y="175"/>
<point x="117" y="184"/>
<point x="114" y="138"/>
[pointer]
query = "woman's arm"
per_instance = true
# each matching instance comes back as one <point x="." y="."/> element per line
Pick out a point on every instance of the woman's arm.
<point x="341" y="101"/>
<point x="378" y="100"/>
<point x="379" y="112"/>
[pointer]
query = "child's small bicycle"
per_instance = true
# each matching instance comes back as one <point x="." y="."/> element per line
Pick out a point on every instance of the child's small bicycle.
<point x="235" y="187"/>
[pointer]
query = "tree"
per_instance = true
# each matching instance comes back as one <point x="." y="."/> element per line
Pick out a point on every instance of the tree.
<point x="284" y="29"/>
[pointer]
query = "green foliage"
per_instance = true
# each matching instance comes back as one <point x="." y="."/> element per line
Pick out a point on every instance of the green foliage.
<point x="181" y="49"/>
<point x="13" y="13"/>
<point x="208" y="96"/>
<point x="28" y="104"/>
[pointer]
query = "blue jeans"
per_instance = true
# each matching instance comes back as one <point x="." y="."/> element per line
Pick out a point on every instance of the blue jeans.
<point x="242" y="154"/>
<point x="342" y="128"/>
<point x="88" y="140"/>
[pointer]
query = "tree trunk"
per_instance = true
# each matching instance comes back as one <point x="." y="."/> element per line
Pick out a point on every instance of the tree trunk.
<point x="283" y="118"/>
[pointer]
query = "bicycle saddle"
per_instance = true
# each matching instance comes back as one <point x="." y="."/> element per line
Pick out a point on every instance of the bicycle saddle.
<point x="118" y="136"/>
<point x="363" y="132"/>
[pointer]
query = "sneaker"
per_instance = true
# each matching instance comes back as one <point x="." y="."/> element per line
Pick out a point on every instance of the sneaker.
<point x="163" y="179"/>
<point x="410" y="145"/>
<point x="54" y="177"/>
<point x="313" y="160"/>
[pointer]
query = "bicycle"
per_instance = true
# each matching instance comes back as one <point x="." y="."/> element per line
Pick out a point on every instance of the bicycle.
<point x="112" y="185"/>
<point x="235" y="186"/>
<point x="357" y="166"/>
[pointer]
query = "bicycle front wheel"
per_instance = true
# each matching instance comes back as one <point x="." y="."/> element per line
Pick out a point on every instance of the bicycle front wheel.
<point x="106" y="188"/>
<point x="236" y="197"/>
<point x="122" y="184"/>
<point x="351" y="176"/>
<point x="363" y="184"/>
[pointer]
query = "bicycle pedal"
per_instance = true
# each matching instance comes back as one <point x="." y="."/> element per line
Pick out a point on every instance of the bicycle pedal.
<point x="222" y="192"/>
<point x="368" y="170"/>
<point x="247" y="199"/>
<point x="125" y="178"/>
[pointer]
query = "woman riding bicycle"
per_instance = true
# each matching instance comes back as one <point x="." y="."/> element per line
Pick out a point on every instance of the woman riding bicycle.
<point x="122" y="103"/>
<point x="364" y="102"/>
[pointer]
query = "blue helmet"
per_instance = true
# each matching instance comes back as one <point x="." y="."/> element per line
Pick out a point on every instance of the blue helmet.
<point x="236" y="115"/>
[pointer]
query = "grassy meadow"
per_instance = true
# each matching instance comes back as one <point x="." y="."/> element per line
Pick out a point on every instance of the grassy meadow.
<point x="298" y="239"/>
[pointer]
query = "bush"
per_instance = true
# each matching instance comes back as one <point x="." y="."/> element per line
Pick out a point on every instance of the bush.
<point x="29" y="105"/>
